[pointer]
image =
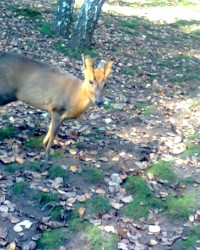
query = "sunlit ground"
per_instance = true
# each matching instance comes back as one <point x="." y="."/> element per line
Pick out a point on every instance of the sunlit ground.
<point x="166" y="14"/>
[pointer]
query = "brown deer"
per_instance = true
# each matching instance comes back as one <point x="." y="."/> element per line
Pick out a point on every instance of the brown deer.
<point x="49" y="88"/>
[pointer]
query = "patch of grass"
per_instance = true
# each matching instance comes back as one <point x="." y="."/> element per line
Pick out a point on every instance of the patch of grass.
<point x="128" y="72"/>
<point x="144" y="199"/>
<point x="34" y="142"/>
<point x="101" y="240"/>
<point x="75" y="53"/>
<point x="196" y="34"/>
<point x="51" y="239"/>
<point x="182" y="207"/>
<point x="45" y="28"/>
<point x="57" y="154"/>
<point x="163" y="171"/>
<point x="45" y="198"/>
<point x="191" y="150"/>
<point x="27" y="12"/>
<point x="75" y="222"/>
<point x="7" y="132"/>
<point x="55" y="213"/>
<point x="11" y="168"/>
<point x="18" y="188"/>
<point x="56" y="171"/>
<point x="145" y="108"/>
<point x="181" y="22"/>
<point x="142" y="52"/>
<point x="193" y="235"/>
<point x="34" y="166"/>
<point x="193" y="136"/>
<point x="92" y="175"/>
<point x="134" y="24"/>
<point x="97" y="205"/>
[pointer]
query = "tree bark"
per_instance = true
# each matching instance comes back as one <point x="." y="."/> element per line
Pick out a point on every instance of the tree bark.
<point x="63" y="17"/>
<point x="82" y="33"/>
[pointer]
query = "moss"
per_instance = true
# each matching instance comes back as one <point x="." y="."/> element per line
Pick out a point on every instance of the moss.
<point x="97" y="205"/>
<point x="11" y="168"/>
<point x="45" y="198"/>
<point x="144" y="199"/>
<point x="163" y="170"/>
<point x="7" y="133"/>
<point x="51" y="239"/>
<point x="182" y="207"/>
<point x="34" y="143"/>
<point x="18" y="188"/>
<point x="92" y="175"/>
<point x="45" y="28"/>
<point x="101" y="240"/>
<point x="193" y="235"/>
<point x="75" y="222"/>
<point x="55" y="212"/>
<point x="56" y="171"/>
<point x="192" y="149"/>
<point x="27" y="12"/>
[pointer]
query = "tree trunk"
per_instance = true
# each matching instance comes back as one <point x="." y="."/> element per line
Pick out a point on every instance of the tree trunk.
<point x="63" y="17"/>
<point x="82" y="33"/>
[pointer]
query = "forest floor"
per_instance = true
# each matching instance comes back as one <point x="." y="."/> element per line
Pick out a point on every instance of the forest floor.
<point x="123" y="176"/>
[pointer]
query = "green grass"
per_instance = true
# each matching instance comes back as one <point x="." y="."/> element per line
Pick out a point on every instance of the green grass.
<point x="11" y="168"/>
<point x="55" y="212"/>
<point x="45" y="28"/>
<point x="75" y="222"/>
<point x="45" y="198"/>
<point x="145" y="108"/>
<point x="134" y="24"/>
<point x="92" y="175"/>
<point x="7" y="132"/>
<point x="34" y="166"/>
<point x="27" y="12"/>
<point x="34" y="142"/>
<point x="182" y="207"/>
<point x="75" y="53"/>
<point x="97" y="205"/>
<point x="18" y="188"/>
<point x="193" y="136"/>
<point x="144" y="199"/>
<point x="51" y="239"/>
<point x="56" y="171"/>
<point x="101" y="240"/>
<point x="196" y="34"/>
<point x="163" y="170"/>
<point x="128" y="72"/>
<point x="191" y="150"/>
<point x="193" y="235"/>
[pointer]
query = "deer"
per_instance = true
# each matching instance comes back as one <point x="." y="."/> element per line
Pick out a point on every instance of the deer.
<point x="52" y="89"/>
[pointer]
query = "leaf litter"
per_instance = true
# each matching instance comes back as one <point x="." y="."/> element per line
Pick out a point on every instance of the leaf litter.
<point x="152" y="108"/>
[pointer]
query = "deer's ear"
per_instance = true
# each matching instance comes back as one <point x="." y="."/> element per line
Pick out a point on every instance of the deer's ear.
<point x="107" y="69"/>
<point x="87" y="64"/>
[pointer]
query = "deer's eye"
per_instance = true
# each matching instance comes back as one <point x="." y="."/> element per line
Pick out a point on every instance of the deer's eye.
<point x="91" y="82"/>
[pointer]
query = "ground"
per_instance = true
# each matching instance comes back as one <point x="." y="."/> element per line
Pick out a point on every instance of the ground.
<point x="123" y="176"/>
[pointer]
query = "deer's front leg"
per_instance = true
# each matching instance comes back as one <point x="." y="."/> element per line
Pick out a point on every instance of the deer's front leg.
<point x="53" y="129"/>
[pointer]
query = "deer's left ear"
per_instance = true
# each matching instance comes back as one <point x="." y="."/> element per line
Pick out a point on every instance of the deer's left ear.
<point x="87" y="65"/>
<point x="107" y="69"/>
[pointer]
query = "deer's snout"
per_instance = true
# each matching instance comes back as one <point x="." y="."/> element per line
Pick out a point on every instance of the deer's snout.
<point x="99" y="102"/>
